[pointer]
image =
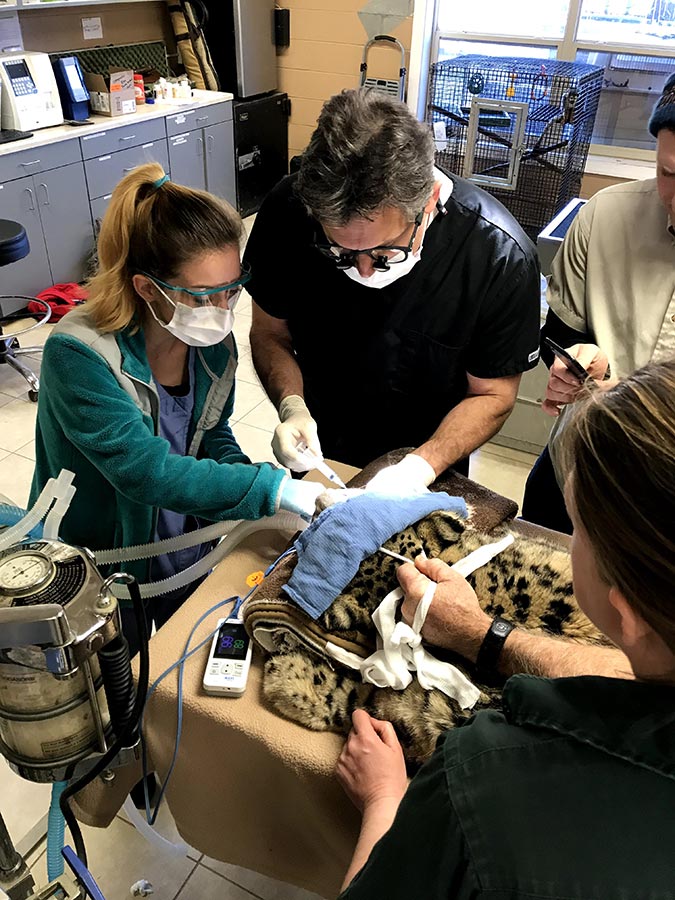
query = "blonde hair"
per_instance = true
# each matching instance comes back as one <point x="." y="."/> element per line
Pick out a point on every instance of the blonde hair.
<point x="155" y="227"/>
<point x="621" y="446"/>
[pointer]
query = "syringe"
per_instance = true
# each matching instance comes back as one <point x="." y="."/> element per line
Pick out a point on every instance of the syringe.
<point x="316" y="462"/>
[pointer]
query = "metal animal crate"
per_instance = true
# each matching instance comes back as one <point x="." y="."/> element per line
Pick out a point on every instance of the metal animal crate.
<point x="520" y="128"/>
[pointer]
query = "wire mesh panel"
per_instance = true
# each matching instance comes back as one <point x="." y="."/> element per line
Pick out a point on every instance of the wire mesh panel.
<point x="476" y="105"/>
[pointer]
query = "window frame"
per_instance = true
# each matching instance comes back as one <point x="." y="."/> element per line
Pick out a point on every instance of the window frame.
<point x="427" y="36"/>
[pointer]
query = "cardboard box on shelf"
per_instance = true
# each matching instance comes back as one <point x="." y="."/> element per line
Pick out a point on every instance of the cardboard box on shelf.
<point x="112" y="94"/>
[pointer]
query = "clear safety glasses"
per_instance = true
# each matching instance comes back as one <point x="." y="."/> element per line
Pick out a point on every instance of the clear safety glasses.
<point x="382" y="257"/>
<point x="207" y="296"/>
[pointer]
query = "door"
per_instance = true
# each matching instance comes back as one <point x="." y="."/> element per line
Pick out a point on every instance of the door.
<point x="220" y="174"/>
<point x="66" y="221"/>
<point x="30" y="275"/>
<point x="186" y="159"/>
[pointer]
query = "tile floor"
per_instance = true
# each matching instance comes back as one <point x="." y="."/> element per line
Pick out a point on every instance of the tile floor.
<point x="121" y="848"/>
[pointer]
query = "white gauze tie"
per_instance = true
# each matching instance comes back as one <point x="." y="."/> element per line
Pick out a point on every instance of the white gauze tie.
<point x="399" y="646"/>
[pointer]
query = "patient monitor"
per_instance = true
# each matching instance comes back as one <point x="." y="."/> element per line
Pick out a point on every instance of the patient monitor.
<point x="30" y="95"/>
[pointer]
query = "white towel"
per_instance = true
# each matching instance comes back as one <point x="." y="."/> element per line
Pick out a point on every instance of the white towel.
<point x="399" y="646"/>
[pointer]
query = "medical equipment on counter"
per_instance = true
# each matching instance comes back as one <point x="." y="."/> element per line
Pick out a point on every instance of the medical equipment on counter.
<point x="72" y="90"/>
<point x="316" y="462"/>
<point x="229" y="659"/>
<point x="30" y="95"/>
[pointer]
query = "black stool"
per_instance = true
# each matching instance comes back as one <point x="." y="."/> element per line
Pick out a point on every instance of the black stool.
<point x="13" y="247"/>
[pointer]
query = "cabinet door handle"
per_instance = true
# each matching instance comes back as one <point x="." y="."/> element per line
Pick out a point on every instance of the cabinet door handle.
<point x="46" y="190"/>
<point x="200" y="146"/>
<point x="32" y="198"/>
<point x="129" y="137"/>
<point x="33" y="162"/>
<point x="202" y="119"/>
<point x="130" y="169"/>
<point x="209" y="142"/>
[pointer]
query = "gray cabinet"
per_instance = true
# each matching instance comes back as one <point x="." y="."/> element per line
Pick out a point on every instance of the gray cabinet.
<point x="201" y="149"/>
<point x="46" y="192"/>
<point x="30" y="274"/>
<point x="66" y="222"/>
<point x="59" y="191"/>
<point x="54" y="210"/>
<point x="219" y="150"/>
<point x="104" y="172"/>
<point x="186" y="158"/>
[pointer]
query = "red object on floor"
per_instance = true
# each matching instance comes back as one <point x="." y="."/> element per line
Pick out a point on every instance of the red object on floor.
<point x="61" y="297"/>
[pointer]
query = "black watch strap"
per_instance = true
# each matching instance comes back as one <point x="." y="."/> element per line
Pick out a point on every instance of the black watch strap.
<point x="490" y="650"/>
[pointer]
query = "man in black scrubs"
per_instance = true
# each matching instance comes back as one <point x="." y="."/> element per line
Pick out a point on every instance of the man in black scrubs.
<point x="395" y="305"/>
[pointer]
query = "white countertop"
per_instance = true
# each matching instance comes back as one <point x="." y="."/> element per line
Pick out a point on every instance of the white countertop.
<point x="145" y="111"/>
<point x="620" y="167"/>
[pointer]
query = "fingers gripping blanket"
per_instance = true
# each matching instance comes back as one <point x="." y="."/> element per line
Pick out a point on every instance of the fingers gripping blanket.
<point x="528" y="582"/>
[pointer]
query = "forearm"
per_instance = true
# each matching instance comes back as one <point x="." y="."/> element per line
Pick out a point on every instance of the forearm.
<point x="468" y="426"/>
<point x="277" y="369"/>
<point x="377" y="820"/>
<point x="540" y="654"/>
<point x="534" y="653"/>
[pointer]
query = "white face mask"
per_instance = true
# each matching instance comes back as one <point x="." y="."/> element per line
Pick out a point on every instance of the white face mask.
<point x="378" y="279"/>
<point x="199" y="326"/>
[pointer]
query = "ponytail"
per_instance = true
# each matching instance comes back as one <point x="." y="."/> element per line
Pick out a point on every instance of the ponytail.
<point x="152" y="225"/>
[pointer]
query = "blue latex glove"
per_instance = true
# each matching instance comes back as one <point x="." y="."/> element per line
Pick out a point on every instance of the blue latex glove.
<point x="299" y="497"/>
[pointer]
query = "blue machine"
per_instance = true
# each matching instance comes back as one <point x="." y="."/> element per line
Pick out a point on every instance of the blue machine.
<point x="72" y="91"/>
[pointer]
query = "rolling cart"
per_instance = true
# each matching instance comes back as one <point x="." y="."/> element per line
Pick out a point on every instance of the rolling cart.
<point x="394" y="87"/>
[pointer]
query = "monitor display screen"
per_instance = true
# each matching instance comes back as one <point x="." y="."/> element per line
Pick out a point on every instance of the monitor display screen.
<point x="77" y="89"/>
<point x="232" y="642"/>
<point x="17" y="69"/>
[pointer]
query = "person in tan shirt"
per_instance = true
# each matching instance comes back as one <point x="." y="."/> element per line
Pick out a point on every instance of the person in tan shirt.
<point x="611" y="299"/>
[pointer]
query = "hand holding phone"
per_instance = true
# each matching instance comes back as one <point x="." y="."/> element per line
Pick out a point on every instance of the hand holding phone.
<point x="566" y="381"/>
<point x="572" y="364"/>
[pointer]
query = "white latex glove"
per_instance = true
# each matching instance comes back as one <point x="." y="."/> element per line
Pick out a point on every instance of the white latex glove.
<point x="297" y="426"/>
<point x="331" y="496"/>
<point x="412" y="475"/>
<point x="300" y="497"/>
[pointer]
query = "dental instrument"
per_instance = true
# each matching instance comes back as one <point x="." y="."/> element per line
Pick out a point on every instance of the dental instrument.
<point x="394" y="555"/>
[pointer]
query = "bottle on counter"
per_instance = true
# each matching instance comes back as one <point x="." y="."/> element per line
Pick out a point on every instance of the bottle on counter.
<point x="139" y="88"/>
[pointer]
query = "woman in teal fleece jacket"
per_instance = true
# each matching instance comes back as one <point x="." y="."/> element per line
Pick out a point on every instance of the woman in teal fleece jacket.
<point x="138" y="383"/>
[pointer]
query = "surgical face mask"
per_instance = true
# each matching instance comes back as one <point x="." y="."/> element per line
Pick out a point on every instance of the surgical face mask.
<point x="200" y="326"/>
<point x="379" y="279"/>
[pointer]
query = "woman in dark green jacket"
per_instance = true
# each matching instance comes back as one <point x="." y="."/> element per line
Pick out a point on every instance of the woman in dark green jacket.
<point x="570" y="791"/>
<point x="138" y="383"/>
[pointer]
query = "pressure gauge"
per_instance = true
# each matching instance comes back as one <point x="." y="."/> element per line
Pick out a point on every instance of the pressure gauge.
<point x="25" y="572"/>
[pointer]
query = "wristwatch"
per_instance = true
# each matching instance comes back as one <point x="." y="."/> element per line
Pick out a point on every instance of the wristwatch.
<point x="490" y="650"/>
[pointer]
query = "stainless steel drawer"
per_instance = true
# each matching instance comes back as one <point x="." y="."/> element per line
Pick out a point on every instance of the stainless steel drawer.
<point x="39" y="159"/>
<point x="104" y="172"/>
<point x="110" y="140"/>
<point x="191" y="119"/>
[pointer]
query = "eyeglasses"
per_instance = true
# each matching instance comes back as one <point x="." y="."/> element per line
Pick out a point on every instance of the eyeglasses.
<point x="229" y="292"/>
<point x="382" y="257"/>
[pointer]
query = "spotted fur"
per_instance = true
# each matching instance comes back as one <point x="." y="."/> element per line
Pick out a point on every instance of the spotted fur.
<point x="529" y="583"/>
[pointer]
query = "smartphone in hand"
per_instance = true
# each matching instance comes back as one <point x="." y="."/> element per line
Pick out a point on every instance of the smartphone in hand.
<point x="573" y="365"/>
